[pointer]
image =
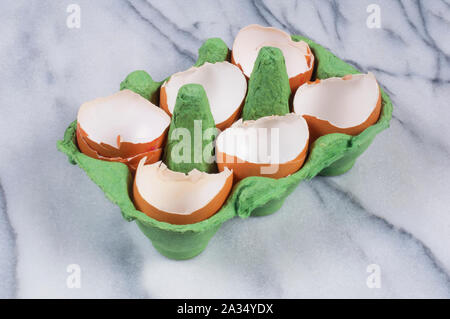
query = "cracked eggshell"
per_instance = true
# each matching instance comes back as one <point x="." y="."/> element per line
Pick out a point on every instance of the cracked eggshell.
<point x="339" y="105"/>
<point x="179" y="198"/>
<point x="298" y="56"/>
<point x="132" y="162"/>
<point x="224" y="84"/>
<point x="272" y="146"/>
<point x="122" y="125"/>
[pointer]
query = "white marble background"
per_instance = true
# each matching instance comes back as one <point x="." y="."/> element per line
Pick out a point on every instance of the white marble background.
<point x="392" y="209"/>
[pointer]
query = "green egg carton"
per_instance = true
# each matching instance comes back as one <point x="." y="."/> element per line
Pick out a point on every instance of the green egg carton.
<point x="332" y="154"/>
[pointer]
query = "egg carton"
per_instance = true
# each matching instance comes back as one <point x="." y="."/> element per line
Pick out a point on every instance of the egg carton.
<point x="329" y="155"/>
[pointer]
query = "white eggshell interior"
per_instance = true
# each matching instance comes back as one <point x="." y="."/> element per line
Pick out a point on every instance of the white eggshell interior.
<point x="224" y="84"/>
<point x="343" y="103"/>
<point x="124" y="113"/>
<point x="175" y="192"/>
<point x="252" y="38"/>
<point x="270" y="139"/>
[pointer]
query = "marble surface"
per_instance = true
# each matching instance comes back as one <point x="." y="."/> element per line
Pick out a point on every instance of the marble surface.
<point x="392" y="209"/>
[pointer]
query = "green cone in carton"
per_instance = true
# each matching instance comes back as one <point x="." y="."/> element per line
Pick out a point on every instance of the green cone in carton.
<point x="191" y="134"/>
<point x="268" y="87"/>
<point x="212" y="51"/>
<point x="142" y="83"/>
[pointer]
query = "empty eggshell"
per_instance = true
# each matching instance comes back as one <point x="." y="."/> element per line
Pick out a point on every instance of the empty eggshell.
<point x="122" y="127"/>
<point x="179" y="198"/>
<point x="271" y="146"/>
<point x="132" y="162"/>
<point x="298" y="56"/>
<point x="339" y="105"/>
<point x="225" y="87"/>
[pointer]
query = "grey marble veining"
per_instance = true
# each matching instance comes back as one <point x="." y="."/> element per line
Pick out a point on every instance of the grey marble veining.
<point x="392" y="209"/>
<point x="8" y="262"/>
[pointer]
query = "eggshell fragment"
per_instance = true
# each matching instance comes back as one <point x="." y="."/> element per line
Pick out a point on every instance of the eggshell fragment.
<point x="272" y="146"/>
<point x="298" y="56"/>
<point x="124" y="122"/>
<point x="132" y="162"/>
<point x="225" y="87"/>
<point x="339" y="105"/>
<point x="123" y="127"/>
<point x="177" y="198"/>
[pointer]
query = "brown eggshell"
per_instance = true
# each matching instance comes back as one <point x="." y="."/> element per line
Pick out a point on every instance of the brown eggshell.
<point x="163" y="100"/>
<point x="294" y="81"/>
<point x="235" y="116"/>
<point x="319" y="127"/>
<point x="116" y="121"/>
<point x="178" y="219"/>
<point x="125" y="149"/>
<point x="299" y="79"/>
<point x="132" y="162"/>
<point x="233" y="151"/>
<point x="224" y="74"/>
<point x="242" y="169"/>
<point x="237" y="64"/>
